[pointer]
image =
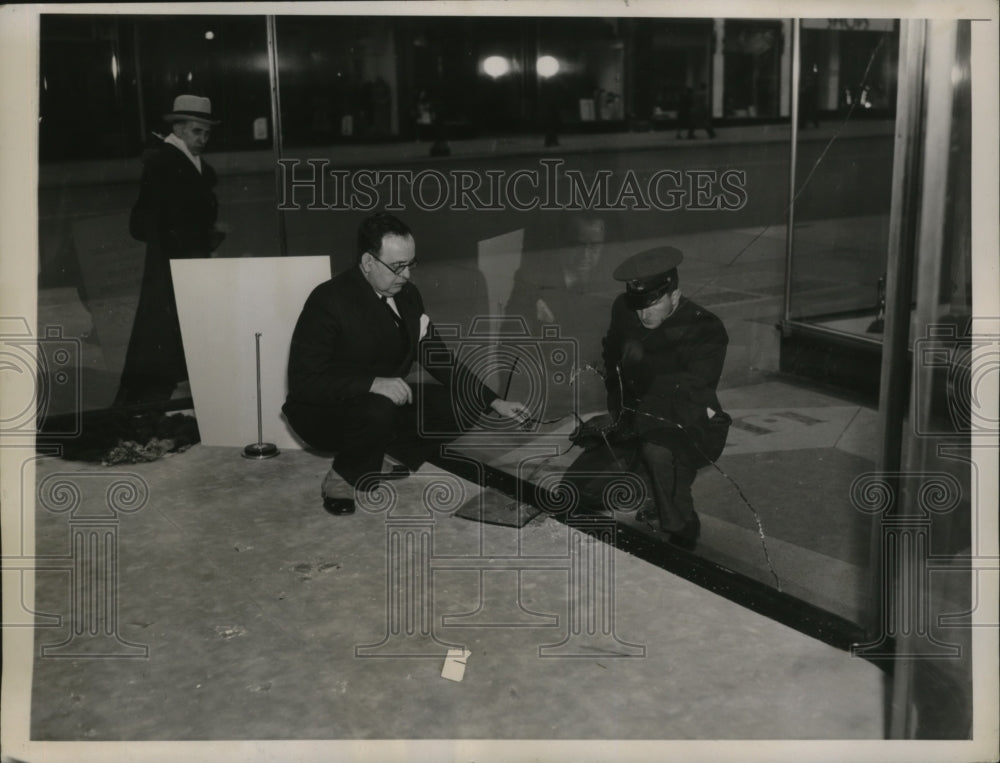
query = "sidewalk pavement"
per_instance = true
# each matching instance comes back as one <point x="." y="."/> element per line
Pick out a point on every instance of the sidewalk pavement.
<point x="378" y="154"/>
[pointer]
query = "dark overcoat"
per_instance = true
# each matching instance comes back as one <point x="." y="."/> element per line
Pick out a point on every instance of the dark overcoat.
<point x="175" y="215"/>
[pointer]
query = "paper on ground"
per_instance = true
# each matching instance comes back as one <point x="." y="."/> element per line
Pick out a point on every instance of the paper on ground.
<point x="454" y="664"/>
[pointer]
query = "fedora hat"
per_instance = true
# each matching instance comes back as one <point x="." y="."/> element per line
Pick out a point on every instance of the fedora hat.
<point x="191" y="107"/>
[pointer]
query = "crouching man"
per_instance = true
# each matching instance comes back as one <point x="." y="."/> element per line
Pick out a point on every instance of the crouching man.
<point x="354" y="343"/>
<point x="663" y="356"/>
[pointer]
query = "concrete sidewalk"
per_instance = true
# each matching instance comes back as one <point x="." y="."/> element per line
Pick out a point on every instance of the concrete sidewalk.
<point x="263" y="617"/>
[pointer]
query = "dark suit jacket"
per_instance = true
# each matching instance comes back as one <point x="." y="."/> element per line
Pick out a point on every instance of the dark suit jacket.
<point x="669" y="373"/>
<point x="345" y="337"/>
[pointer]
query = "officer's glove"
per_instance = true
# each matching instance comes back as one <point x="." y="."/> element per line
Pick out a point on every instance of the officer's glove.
<point x="599" y="431"/>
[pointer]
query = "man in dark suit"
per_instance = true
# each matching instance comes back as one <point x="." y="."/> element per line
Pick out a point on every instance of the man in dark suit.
<point x="175" y="215"/>
<point x="354" y="344"/>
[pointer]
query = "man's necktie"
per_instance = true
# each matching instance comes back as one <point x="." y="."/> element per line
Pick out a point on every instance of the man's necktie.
<point x="400" y="326"/>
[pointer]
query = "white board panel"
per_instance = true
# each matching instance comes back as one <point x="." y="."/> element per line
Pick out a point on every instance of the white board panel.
<point x="222" y="303"/>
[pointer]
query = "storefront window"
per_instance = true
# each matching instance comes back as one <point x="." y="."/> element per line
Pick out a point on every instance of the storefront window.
<point x="680" y="58"/>
<point x="848" y="63"/>
<point x="843" y="182"/>
<point x="581" y="71"/>
<point x="106" y="82"/>
<point x="752" y="68"/>
<point x="411" y="116"/>
<point x="338" y="80"/>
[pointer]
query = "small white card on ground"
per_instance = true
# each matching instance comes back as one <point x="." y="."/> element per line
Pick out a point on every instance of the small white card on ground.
<point x="454" y="664"/>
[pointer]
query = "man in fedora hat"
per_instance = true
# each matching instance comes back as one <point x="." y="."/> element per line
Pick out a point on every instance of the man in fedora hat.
<point x="175" y="215"/>
<point x="663" y="356"/>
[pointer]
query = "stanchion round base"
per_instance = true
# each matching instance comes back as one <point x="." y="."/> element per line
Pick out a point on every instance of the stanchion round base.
<point x="260" y="450"/>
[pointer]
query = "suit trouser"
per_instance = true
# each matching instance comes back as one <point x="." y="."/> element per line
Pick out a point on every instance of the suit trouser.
<point x="365" y="428"/>
<point x="671" y="479"/>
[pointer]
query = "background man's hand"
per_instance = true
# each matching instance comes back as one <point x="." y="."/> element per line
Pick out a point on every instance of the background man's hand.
<point x="393" y="388"/>
<point x="511" y="410"/>
<point x="543" y="313"/>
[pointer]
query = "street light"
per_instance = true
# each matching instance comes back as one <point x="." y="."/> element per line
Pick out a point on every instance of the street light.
<point x="496" y="66"/>
<point x="547" y="66"/>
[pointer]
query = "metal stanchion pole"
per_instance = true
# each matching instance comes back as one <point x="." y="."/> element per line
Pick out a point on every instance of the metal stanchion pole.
<point x="259" y="450"/>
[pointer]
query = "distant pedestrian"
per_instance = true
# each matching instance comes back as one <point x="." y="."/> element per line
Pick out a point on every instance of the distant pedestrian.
<point x="684" y="108"/>
<point x="809" y="99"/>
<point x="701" y="114"/>
<point x="424" y="116"/>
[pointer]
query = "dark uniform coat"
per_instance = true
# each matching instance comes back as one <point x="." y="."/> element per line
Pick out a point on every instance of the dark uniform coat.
<point x="663" y="377"/>
<point x="175" y="215"/>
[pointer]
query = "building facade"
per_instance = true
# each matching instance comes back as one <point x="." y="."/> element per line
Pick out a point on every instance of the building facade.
<point x="345" y="79"/>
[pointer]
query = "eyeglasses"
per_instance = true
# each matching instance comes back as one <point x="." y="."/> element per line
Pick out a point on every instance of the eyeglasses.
<point x="398" y="268"/>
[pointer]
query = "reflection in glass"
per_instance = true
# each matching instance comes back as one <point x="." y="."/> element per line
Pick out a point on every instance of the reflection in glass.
<point x="453" y="125"/>
<point x="98" y="115"/>
<point x="843" y="177"/>
<point x="753" y="53"/>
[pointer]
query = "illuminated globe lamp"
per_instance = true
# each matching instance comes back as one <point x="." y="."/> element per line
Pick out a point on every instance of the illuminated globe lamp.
<point x="547" y="66"/>
<point x="496" y="66"/>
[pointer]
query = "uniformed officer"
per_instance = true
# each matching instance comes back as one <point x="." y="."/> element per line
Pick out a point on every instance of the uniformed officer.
<point x="663" y="356"/>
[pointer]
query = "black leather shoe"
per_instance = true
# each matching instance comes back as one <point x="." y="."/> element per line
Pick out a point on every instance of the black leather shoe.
<point x="687" y="536"/>
<point x="396" y="472"/>
<point x="338" y="506"/>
